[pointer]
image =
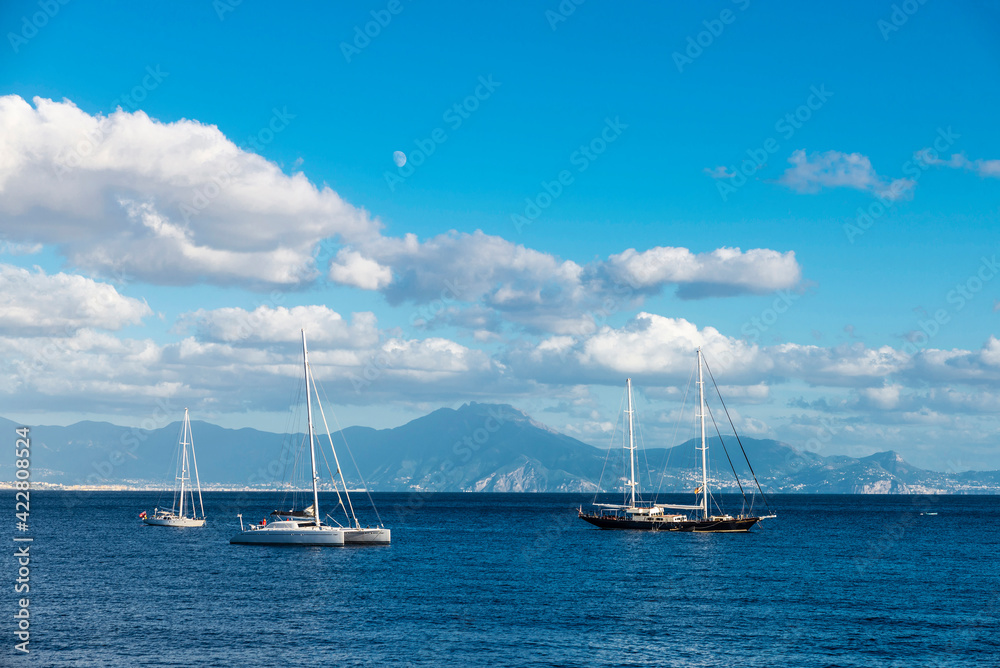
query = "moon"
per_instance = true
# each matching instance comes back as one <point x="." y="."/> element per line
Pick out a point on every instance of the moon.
<point x="399" y="158"/>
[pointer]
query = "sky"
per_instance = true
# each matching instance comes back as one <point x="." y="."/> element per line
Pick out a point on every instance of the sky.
<point x="591" y="191"/>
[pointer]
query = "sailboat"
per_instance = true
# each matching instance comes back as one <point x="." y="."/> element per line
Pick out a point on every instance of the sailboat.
<point x="652" y="516"/>
<point x="305" y="527"/>
<point x="175" y="516"/>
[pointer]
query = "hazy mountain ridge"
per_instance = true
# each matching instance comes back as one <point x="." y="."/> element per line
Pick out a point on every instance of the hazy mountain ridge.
<point x="478" y="447"/>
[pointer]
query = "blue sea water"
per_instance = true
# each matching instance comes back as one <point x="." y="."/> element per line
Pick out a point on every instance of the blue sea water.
<point x="513" y="580"/>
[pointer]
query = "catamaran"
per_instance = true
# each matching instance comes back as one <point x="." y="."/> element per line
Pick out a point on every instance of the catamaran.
<point x="652" y="516"/>
<point x="304" y="527"/>
<point x="176" y="515"/>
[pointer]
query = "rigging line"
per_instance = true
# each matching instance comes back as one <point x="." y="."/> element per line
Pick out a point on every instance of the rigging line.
<point x="197" y="479"/>
<point x="762" y="495"/>
<point x="611" y="447"/>
<point x="673" y="441"/>
<point x="288" y="456"/>
<point x="607" y="457"/>
<point x="350" y="454"/>
<point x="642" y="445"/>
<point x="726" y="450"/>
<point x="334" y="481"/>
<point x="336" y="460"/>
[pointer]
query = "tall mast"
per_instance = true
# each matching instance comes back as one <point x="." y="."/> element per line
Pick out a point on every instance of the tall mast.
<point x="704" y="446"/>
<point x="194" y="462"/>
<point x="184" y="460"/>
<point x="631" y="441"/>
<point x="309" y="417"/>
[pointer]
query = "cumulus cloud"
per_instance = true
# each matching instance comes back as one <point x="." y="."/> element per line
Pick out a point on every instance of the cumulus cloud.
<point x="171" y="203"/>
<point x="90" y="371"/>
<point x="351" y="268"/>
<point x="659" y="351"/>
<point x="34" y="303"/>
<point x="543" y="292"/>
<point x="653" y="349"/>
<point x="266" y="324"/>
<point x="725" y="271"/>
<point x="833" y="169"/>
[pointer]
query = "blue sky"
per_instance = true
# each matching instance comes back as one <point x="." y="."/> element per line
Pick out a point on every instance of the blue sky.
<point x="649" y="112"/>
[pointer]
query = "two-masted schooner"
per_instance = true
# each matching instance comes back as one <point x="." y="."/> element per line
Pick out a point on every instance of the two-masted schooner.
<point x="652" y="516"/>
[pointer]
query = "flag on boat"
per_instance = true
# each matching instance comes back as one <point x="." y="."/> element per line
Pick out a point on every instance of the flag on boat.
<point x="142" y="515"/>
<point x="697" y="490"/>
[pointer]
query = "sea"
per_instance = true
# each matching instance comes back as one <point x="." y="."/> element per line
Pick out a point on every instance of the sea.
<point x="509" y="580"/>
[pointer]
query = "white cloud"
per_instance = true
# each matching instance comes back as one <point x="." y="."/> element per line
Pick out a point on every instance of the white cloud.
<point x="883" y="398"/>
<point x="33" y="303"/>
<point x="267" y="324"/>
<point x="172" y="203"/>
<point x="723" y="271"/>
<point x="542" y="292"/>
<point x="653" y="349"/>
<point x="985" y="168"/>
<point x="351" y="268"/>
<point x="834" y="169"/>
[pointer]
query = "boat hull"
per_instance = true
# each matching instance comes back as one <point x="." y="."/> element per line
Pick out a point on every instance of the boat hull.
<point x="321" y="536"/>
<point x="174" y="522"/>
<point x="376" y="536"/>
<point x="735" y="525"/>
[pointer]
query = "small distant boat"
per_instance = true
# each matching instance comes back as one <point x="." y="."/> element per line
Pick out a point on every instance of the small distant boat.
<point x="651" y="516"/>
<point x="304" y="527"/>
<point x="176" y="516"/>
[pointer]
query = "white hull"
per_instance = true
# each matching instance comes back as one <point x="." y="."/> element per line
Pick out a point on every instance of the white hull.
<point x="174" y="522"/>
<point x="276" y="534"/>
<point x="367" y="536"/>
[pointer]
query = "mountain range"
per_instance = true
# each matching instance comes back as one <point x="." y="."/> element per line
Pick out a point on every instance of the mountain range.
<point x="478" y="447"/>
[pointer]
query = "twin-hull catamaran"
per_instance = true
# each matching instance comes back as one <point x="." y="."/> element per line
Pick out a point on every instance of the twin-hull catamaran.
<point x="304" y="527"/>
<point x="175" y="516"/>
<point x="663" y="516"/>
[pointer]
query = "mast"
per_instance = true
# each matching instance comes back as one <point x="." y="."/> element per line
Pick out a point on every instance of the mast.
<point x="704" y="446"/>
<point x="309" y="417"/>
<point x="194" y="462"/>
<point x="184" y="460"/>
<point x="631" y="441"/>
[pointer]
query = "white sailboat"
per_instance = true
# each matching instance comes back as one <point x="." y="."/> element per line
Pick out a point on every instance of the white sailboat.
<point x="652" y="516"/>
<point x="176" y="516"/>
<point x="305" y="527"/>
<point x="354" y="533"/>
